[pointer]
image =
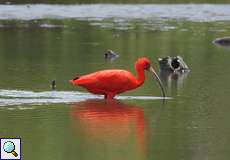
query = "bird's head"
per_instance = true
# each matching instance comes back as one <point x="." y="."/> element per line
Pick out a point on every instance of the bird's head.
<point x="145" y="64"/>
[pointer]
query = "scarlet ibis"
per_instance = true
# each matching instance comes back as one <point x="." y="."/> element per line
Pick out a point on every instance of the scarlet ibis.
<point x="114" y="81"/>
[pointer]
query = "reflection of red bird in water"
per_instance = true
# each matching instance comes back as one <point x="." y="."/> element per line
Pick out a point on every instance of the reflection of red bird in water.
<point x="111" y="122"/>
<point x="115" y="81"/>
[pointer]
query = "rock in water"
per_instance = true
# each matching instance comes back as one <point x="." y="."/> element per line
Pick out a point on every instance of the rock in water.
<point x="110" y="55"/>
<point x="225" y="41"/>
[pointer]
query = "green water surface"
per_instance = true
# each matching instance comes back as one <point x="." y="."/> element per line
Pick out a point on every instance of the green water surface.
<point x="194" y="124"/>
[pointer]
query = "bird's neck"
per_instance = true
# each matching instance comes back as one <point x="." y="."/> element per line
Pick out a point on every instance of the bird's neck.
<point x="140" y="74"/>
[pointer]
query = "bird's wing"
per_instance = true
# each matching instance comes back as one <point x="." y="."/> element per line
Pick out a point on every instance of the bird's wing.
<point x="108" y="80"/>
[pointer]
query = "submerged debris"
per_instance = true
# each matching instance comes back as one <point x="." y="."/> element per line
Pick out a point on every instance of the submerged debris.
<point x="110" y="55"/>
<point x="173" y="64"/>
<point x="225" y="41"/>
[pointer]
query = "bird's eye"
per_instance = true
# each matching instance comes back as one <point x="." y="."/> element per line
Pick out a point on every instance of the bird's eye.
<point x="76" y="78"/>
<point x="147" y="66"/>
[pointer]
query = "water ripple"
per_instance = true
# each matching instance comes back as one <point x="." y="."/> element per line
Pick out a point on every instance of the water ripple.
<point x="19" y="97"/>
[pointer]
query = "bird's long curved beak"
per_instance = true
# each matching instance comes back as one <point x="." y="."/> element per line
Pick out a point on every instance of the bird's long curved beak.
<point x="151" y="70"/>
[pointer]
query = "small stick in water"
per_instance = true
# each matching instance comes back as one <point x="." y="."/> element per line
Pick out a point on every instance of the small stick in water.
<point x="53" y="85"/>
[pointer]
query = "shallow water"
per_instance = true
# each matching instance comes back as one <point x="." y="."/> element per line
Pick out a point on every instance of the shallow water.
<point x="40" y="43"/>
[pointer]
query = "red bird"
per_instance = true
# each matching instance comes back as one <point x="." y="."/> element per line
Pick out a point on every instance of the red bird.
<point x="114" y="81"/>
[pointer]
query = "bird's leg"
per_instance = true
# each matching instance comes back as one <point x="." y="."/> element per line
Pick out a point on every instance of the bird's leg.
<point x="109" y="96"/>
